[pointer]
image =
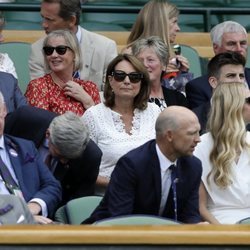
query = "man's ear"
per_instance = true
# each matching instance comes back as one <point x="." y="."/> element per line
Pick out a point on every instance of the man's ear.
<point x="169" y="135"/>
<point x="72" y="22"/>
<point x="47" y="134"/>
<point x="4" y="110"/>
<point x="213" y="81"/>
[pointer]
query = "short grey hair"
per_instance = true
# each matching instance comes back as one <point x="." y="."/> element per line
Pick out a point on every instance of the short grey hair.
<point x="71" y="41"/>
<point x="217" y="31"/>
<point x="69" y="135"/>
<point x="154" y="42"/>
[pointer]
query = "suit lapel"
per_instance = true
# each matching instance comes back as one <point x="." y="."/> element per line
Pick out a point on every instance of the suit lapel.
<point x="155" y="164"/>
<point x="87" y="48"/>
<point x="14" y="155"/>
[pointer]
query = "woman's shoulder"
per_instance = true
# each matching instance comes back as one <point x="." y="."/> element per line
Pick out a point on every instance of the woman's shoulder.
<point x="85" y="83"/>
<point x="42" y="79"/>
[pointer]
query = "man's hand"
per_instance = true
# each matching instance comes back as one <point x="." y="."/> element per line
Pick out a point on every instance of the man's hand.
<point x="34" y="208"/>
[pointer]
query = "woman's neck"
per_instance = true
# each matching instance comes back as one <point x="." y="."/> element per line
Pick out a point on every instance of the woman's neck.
<point x="156" y="91"/>
<point x="61" y="79"/>
<point x="124" y="106"/>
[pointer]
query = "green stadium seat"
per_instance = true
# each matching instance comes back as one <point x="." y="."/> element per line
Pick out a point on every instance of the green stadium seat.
<point x="135" y="220"/>
<point x="193" y="58"/>
<point x="19" y="54"/>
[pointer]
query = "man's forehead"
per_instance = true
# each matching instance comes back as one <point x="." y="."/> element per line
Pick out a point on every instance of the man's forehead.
<point x="234" y="36"/>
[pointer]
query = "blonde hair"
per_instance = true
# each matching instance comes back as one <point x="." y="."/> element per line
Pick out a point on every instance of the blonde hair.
<point x="228" y="130"/>
<point x="153" y="20"/>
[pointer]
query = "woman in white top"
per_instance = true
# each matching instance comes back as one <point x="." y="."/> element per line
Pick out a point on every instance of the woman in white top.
<point x="6" y="64"/>
<point x="125" y="120"/>
<point x="225" y="155"/>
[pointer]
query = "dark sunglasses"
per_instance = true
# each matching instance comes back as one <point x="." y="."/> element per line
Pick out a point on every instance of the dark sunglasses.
<point x="60" y="50"/>
<point x="247" y="100"/>
<point x="134" y="77"/>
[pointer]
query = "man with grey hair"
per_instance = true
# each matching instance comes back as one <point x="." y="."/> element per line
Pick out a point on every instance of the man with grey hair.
<point x="226" y="36"/>
<point x="75" y="158"/>
<point x="161" y="177"/>
<point x="71" y="156"/>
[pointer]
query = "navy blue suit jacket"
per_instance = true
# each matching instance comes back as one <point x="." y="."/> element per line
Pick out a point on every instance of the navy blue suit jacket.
<point x="12" y="94"/>
<point x="35" y="179"/>
<point x="135" y="187"/>
<point x="199" y="91"/>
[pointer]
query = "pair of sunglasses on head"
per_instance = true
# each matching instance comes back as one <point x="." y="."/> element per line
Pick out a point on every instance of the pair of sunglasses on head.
<point x="120" y="75"/>
<point x="60" y="50"/>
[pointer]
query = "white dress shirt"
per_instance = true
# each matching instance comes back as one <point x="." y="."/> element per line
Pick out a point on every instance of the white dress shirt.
<point x="165" y="163"/>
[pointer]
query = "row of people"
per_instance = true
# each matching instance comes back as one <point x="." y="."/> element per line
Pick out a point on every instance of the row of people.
<point x="126" y="77"/>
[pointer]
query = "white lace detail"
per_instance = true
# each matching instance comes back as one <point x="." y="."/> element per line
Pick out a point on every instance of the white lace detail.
<point x="107" y="130"/>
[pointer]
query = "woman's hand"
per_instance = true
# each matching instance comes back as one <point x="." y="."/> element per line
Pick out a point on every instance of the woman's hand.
<point x="76" y="91"/>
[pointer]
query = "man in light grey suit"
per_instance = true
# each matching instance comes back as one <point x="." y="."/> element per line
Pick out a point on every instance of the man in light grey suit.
<point x="97" y="50"/>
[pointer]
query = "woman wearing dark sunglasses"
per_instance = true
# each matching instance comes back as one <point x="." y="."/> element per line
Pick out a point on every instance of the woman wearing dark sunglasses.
<point x="61" y="90"/>
<point x="125" y="120"/>
<point x="225" y="155"/>
<point x="154" y="54"/>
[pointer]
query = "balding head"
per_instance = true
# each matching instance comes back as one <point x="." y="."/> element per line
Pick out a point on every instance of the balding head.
<point x="172" y="118"/>
<point x="177" y="132"/>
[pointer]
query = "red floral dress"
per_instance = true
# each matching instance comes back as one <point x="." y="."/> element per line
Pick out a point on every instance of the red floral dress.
<point x="44" y="93"/>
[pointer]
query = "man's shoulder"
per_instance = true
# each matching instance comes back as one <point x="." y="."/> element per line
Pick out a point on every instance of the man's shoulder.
<point x="199" y="82"/>
<point x="38" y="43"/>
<point x="95" y="38"/>
<point x="14" y="141"/>
<point x="190" y="163"/>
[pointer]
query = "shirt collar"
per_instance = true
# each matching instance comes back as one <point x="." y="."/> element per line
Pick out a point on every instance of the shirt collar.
<point x="2" y="143"/>
<point x="79" y="34"/>
<point x="165" y="163"/>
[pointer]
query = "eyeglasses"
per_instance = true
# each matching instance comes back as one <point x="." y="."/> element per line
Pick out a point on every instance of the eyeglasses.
<point x="134" y="77"/>
<point x="247" y="100"/>
<point x="60" y="50"/>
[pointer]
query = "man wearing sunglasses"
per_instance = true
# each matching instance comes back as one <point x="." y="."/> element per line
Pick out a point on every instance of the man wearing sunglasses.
<point x="97" y="50"/>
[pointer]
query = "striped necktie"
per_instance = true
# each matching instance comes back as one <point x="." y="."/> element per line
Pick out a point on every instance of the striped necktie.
<point x="174" y="181"/>
<point x="9" y="181"/>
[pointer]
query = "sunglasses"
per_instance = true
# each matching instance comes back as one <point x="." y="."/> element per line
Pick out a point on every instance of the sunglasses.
<point x="60" y="50"/>
<point x="134" y="77"/>
<point x="247" y="100"/>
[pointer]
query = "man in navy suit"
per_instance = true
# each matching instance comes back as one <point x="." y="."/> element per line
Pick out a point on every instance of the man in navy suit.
<point x="141" y="181"/>
<point x="13" y="96"/>
<point x="224" y="67"/>
<point x="226" y="36"/>
<point x="33" y="180"/>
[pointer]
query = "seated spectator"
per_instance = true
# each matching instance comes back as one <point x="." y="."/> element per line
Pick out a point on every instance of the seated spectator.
<point x="58" y="91"/>
<point x="125" y="120"/>
<point x="224" y="67"/>
<point x="97" y="50"/>
<point x="161" y="177"/>
<point x="154" y="54"/>
<point x="226" y="36"/>
<point x="6" y="64"/>
<point x="160" y="18"/>
<point x="73" y="158"/>
<point x="224" y="153"/>
<point x="23" y="173"/>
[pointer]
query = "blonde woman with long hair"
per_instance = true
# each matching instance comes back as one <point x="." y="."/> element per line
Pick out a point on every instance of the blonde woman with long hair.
<point x="225" y="155"/>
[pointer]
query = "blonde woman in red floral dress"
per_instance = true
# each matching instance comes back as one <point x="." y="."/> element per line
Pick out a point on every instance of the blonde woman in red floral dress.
<point x="60" y="90"/>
